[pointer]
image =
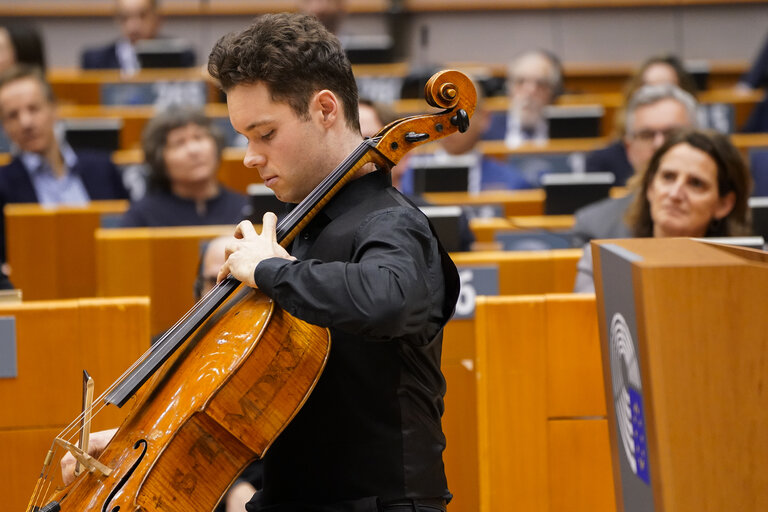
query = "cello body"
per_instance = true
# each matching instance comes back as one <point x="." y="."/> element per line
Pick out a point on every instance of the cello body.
<point x="218" y="405"/>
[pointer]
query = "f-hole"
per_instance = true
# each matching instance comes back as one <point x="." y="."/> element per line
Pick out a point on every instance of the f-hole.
<point x="140" y="442"/>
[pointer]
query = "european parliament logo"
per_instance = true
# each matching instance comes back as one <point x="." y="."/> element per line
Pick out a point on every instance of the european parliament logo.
<point x="628" y="398"/>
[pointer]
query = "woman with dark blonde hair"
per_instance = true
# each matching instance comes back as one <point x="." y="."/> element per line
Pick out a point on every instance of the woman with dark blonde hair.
<point x="696" y="185"/>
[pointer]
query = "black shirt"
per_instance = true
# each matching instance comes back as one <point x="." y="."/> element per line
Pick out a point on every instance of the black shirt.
<point x="159" y="208"/>
<point x="370" y="269"/>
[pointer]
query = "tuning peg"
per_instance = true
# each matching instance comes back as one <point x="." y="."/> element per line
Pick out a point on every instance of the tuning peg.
<point x="461" y="120"/>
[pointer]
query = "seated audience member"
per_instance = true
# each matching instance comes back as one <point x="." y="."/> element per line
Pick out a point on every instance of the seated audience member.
<point x="330" y="13"/>
<point x="755" y="78"/>
<point x="696" y="185"/>
<point x="486" y="173"/>
<point x="660" y="69"/>
<point x="757" y="75"/>
<point x="653" y="112"/>
<point x="183" y="149"/>
<point x="535" y="80"/>
<point x="373" y="117"/>
<point x="45" y="169"/>
<point x="138" y="20"/>
<point x="20" y="43"/>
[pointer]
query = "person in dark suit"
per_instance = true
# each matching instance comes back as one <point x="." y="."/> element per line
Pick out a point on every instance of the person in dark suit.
<point x="45" y="169"/>
<point x="658" y="69"/>
<point x="535" y="80"/>
<point x="653" y="112"/>
<point x="139" y="20"/>
<point x="20" y="43"/>
<point x="755" y="78"/>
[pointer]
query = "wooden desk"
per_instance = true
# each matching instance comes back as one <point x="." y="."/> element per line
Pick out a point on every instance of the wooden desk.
<point x="159" y="263"/>
<point x="51" y="250"/>
<point x="515" y="202"/>
<point x="84" y="87"/>
<point x="134" y="117"/>
<point x="55" y="341"/>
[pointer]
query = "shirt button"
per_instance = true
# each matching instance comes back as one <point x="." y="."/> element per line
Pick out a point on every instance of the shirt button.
<point x="305" y="236"/>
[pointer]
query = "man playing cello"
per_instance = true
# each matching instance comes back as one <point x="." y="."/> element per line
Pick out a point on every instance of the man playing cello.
<point x="368" y="267"/>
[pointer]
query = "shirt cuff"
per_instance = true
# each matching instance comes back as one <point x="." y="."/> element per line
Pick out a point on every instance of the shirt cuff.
<point x="266" y="272"/>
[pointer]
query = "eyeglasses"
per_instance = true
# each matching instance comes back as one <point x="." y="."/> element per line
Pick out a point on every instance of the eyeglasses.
<point x="650" y="135"/>
<point x="539" y="83"/>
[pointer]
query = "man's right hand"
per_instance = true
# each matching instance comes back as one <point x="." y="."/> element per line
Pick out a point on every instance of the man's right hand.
<point x="96" y="444"/>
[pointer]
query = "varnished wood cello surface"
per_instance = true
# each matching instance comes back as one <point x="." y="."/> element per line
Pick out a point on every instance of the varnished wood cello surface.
<point x="222" y="409"/>
<point x="224" y="382"/>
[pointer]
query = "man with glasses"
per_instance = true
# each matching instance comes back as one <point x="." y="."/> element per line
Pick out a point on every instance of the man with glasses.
<point x="652" y="113"/>
<point x="535" y="80"/>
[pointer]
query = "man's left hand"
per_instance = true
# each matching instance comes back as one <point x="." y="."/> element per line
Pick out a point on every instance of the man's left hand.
<point x="249" y="248"/>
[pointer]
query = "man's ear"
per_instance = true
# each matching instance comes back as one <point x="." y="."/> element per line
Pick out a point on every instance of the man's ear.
<point x="325" y="106"/>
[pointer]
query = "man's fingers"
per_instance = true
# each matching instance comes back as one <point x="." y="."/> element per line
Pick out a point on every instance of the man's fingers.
<point x="269" y="226"/>
<point x="68" y="468"/>
<point x="223" y="272"/>
<point x="245" y="230"/>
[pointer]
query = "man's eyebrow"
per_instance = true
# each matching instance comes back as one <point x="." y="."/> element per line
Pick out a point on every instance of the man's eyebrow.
<point x="256" y="124"/>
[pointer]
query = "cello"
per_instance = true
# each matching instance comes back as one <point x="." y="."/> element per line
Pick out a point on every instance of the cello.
<point x="217" y="389"/>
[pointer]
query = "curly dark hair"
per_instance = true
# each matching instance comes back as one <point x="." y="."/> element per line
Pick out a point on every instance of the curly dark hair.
<point x="732" y="176"/>
<point x="155" y="136"/>
<point x="294" y="56"/>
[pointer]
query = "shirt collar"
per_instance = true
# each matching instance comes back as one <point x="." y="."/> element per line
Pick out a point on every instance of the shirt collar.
<point x="34" y="161"/>
<point x="355" y="191"/>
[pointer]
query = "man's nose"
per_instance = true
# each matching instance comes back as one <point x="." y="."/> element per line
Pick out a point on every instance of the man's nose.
<point x="253" y="158"/>
<point x="25" y="119"/>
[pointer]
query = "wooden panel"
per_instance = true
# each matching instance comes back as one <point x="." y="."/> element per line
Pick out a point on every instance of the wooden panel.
<point x="580" y="476"/>
<point x="83" y="87"/>
<point x="23" y="455"/>
<point x="528" y="272"/>
<point x="511" y="398"/>
<point x="546" y="462"/>
<point x="56" y="340"/>
<point x="574" y="366"/>
<point x="69" y="246"/>
<point x="160" y="263"/>
<point x="515" y="202"/>
<point x="460" y="428"/>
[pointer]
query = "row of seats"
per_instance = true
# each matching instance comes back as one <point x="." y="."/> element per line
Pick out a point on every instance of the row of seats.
<point x="119" y="122"/>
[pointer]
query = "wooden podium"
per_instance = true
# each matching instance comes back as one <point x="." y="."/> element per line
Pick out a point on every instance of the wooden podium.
<point x="684" y="337"/>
